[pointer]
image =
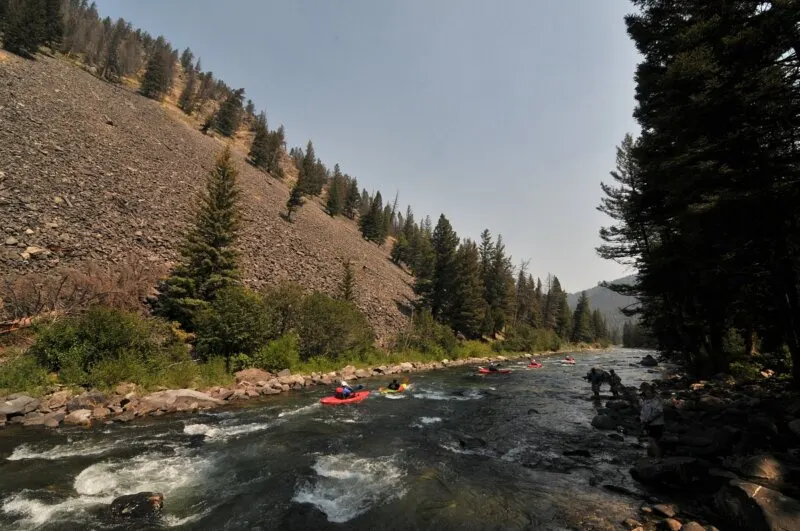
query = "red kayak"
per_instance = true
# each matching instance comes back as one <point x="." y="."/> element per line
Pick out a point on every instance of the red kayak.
<point x="358" y="396"/>
<point x="534" y="365"/>
<point x="482" y="370"/>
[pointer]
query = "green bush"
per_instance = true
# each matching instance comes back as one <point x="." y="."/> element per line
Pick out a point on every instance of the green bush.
<point x="75" y="346"/>
<point x="277" y="355"/>
<point x="746" y="370"/>
<point x="331" y="328"/>
<point x="284" y="303"/>
<point x="525" y="338"/>
<point x="238" y="322"/>
<point x="427" y="336"/>
<point x="22" y="373"/>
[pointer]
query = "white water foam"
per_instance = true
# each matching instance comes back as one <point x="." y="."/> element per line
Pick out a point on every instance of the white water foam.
<point x="225" y="432"/>
<point x="425" y="421"/>
<point x="300" y="410"/>
<point x="472" y="394"/>
<point x="62" y="451"/>
<point x="347" y="486"/>
<point x="100" y="483"/>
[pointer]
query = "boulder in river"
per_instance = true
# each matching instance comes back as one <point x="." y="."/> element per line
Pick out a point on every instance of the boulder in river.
<point x="672" y="471"/>
<point x="139" y="506"/>
<point x="747" y="506"/>
<point x="81" y="417"/>
<point x="18" y="405"/>
<point x="649" y="361"/>
<point x="604" y="422"/>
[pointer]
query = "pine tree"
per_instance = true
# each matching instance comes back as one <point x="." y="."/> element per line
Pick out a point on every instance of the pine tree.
<point x="156" y="81"/>
<point x="54" y="24"/>
<point x="371" y="223"/>
<point x="348" y="287"/>
<point x="353" y="199"/>
<point x="582" y="323"/>
<point x="445" y="244"/>
<point x="469" y="308"/>
<point x="186" y="100"/>
<point x="259" y="149"/>
<point x="335" y="204"/>
<point x="295" y="201"/>
<point x="112" y="69"/>
<point x="227" y="119"/>
<point x="564" y="319"/>
<point x="208" y="257"/>
<point x="552" y="306"/>
<point x="25" y="26"/>
<point x="186" y="60"/>
<point x="598" y="327"/>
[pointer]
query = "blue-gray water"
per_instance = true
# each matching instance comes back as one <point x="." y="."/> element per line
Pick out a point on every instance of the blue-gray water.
<point x="414" y="461"/>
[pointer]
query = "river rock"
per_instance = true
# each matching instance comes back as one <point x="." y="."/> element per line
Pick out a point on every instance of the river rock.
<point x="139" y="506"/>
<point x="692" y="526"/>
<point x="34" y="418"/>
<point x="630" y="523"/>
<point x="2" y="420"/>
<point x="269" y="391"/>
<point x="252" y="376"/>
<point x="175" y="399"/>
<point x="80" y="417"/>
<point x="124" y="389"/>
<point x="794" y="427"/>
<point x="671" y="471"/>
<point x="604" y="422"/>
<point x="748" y="506"/>
<point x="224" y="393"/>
<point x="649" y="361"/>
<point x="88" y="400"/>
<point x="18" y="405"/>
<point x="52" y="420"/>
<point x="669" y="524"/>
<point x="667" y="510"/>
<point x="58" y="399"/>
<point x="761" y="467"/>
<point x="405" y="366"/>
<point x="100" y="412"/>
<point x="361" y="373"/>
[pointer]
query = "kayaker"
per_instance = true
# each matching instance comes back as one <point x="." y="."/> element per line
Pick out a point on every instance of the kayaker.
<point x="346" y="389"/>
<point x="395" y="385"/>
<point x="533" y="362"/>
<point x="494" y="367"/>
<point x="569" y="359"/>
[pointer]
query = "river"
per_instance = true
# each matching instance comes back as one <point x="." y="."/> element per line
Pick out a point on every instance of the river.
<point x="459" y="452"/>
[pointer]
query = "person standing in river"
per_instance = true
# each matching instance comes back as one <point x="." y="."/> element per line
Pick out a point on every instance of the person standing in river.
<point x="595" y="378"/>
<point x="616" y="383"/>
<point x="652" y="419"/>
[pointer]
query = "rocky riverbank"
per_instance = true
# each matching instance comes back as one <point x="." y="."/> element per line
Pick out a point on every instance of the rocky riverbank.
<point x="127" y="402"/>
<point x="731" y="454"/>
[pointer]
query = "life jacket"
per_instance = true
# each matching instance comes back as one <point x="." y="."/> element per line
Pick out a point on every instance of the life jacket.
<point x="339" y="390"/>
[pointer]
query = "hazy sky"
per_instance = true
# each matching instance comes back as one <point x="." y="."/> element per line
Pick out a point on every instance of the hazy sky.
<point x="502" y="114"/>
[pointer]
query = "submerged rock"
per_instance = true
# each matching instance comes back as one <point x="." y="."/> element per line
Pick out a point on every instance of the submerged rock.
<point x="604" y="422"/>
<point x="649" y="361"/>
<point x="142" y="505"/>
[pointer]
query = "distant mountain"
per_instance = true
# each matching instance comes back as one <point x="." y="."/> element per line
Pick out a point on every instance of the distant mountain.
<point x="607" y="301"/>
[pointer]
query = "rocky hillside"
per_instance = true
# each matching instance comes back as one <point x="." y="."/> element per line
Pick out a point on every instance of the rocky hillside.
<point x="93" y="172"/>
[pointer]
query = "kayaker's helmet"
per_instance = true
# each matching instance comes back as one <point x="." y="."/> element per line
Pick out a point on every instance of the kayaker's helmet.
<point x="343" y="383"/>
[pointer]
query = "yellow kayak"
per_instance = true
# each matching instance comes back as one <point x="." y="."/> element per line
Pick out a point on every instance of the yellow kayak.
<point x="403" y="387"/>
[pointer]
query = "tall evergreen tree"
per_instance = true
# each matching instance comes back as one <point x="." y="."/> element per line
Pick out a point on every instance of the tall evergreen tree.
<point x="294" y="202"/>
<point x="259" y="149"/>
<point x="564" y="319"/>
<point x="208" y="257"/>
<point x="25" y="26"/>
<point x="353" y="199"/>
<point x="54" y="23"/>
<point x="445" y="244"/>
<point x="186" y="99"/>
<point x="112" y="67"/>
<point x="582" y="324"/>
<point x="186" y="60"/>
<point x="348" y="287"/>
<point x="335" y="203"/>
<point x="468" y="310"/>
<point x="156" y="80"/>
<point x="227" y="119"/>
<point x="552" y="305"/>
